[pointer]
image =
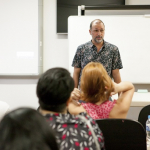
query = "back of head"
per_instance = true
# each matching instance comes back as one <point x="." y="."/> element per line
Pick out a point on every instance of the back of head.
<point x="26" y="129"/>
<point x="54" y="88"/>
<point x="94" y="81"/>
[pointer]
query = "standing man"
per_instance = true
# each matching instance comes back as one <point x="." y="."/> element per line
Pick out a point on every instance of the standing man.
<point x="97" y="50"/>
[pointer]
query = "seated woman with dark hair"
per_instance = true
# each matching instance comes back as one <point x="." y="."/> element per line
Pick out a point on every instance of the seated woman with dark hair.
<point x="53" y="90"/>
<point x="96" y="87"/>
<point x="26" y="129"/>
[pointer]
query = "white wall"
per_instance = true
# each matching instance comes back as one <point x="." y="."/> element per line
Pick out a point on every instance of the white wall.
<point x="21" y="91"/>
<point x="55" y="46"/>
<point x="137" y="2"/>
<point x="134" y="111"/>
<point x="18" y="92"/>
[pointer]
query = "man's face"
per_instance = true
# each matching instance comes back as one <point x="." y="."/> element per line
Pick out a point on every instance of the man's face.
<point x="97" y="32"/>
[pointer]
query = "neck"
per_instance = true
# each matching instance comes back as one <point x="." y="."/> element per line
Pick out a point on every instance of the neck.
<point x="98" y="44"/>
<point x="100" y="102"/>
<point x="44" y="112"/>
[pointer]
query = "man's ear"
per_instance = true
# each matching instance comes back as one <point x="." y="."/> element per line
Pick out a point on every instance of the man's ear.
<point x="90" y="32"/>
<point x="68" y="101"/>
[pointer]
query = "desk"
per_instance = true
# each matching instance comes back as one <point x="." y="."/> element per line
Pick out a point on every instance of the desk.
<point x="139" y="99"/>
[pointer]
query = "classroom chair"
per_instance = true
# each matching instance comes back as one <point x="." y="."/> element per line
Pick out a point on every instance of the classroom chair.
<point x="143" y="115"/>
<point x="123" y="134"/>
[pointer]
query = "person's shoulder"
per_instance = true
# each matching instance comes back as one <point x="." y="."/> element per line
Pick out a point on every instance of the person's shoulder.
<point x="92" y="122"/>
<point x="107" y="102"/>
<point x="88" y="117"/>
<point x="84" y="45"/>
<point x="110" y="45"/>
<point x="59" y="118"/>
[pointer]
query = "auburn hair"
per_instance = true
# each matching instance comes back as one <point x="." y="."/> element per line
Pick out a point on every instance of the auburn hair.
<point x="94" y="81"/>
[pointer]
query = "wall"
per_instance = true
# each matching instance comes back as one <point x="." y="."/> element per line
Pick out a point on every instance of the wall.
<point x="55" y="46"/>
<point x="137" y="2"/>
<point x="134" y="111"/>
<point x="21" y="91"/>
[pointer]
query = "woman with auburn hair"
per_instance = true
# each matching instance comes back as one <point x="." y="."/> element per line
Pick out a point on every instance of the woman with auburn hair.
<point x="96" y="87"/>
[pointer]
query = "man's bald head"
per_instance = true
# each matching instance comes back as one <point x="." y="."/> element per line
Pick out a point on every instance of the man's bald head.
<point x="96" y="21"/>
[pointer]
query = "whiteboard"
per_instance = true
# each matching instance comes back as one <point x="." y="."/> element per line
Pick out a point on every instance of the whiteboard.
<point x="130" y="33"/>
<point x="19" y="35"/>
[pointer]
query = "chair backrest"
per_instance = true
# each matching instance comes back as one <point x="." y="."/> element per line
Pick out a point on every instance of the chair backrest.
<point x="143" y="115"/>
<point x="123" y="134"/>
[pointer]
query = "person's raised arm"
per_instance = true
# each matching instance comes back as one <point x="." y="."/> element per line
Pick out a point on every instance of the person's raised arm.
<point x="122" y="105"/>
<point x="76" y="75"/>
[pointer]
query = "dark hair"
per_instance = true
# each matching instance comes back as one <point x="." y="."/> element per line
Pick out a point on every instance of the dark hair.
<point x="98" y="21"/>
<point x="26" y="129"/>
<point x="54" y="88"/>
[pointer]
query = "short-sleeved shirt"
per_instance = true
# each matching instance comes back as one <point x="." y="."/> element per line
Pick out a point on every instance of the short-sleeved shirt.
<point x="108" y="56"/>
<point x="72" y="133"/>
<point x="99" y="111"/>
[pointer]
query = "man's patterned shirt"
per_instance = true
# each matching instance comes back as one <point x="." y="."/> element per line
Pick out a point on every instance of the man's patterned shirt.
<point x="108" y="56"/>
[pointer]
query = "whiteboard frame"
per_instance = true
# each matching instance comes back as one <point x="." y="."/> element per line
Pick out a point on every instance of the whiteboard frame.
<point x="40" y="46"/>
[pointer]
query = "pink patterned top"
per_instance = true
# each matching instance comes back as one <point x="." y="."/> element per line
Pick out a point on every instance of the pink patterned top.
<point x="99" y="111"/>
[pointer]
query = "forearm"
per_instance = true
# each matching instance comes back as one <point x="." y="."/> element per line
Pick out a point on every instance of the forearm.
<point x="125" y="99"/>
<point x="124" y="86"/>
<point x="116" y="76"/>
<point x="76" y="75"/>
<point x="123" y="103"/>
<point x="76" y="80"/>
<point x="117" y="80"/>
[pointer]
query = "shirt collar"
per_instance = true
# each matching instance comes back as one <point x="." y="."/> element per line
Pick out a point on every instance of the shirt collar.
<point x="92" y="45"/>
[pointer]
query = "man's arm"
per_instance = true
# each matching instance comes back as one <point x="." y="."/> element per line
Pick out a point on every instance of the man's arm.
<point x="76" y="74"/>
<point x="116" y="76"/>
